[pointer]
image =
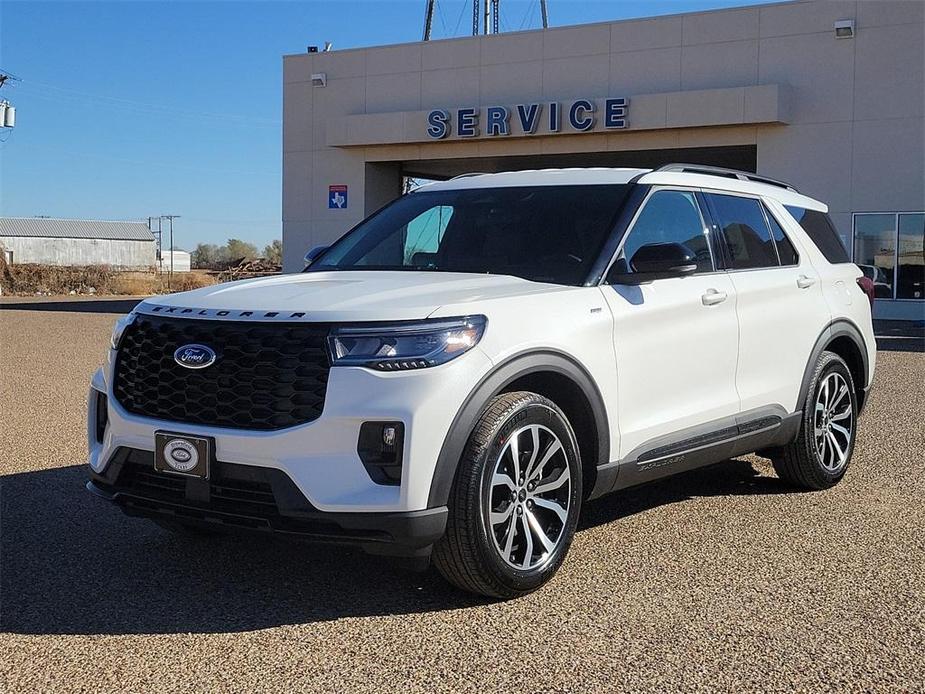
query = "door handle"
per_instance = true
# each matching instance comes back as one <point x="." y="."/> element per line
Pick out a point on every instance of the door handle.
<point x="713" y="297"/>
<point x="804" y="282"/>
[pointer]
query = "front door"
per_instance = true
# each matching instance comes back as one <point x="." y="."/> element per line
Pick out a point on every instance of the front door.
<point x="676" y="339"/>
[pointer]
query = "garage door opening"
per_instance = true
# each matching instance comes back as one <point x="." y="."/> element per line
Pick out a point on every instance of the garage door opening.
<point x="742" y="157"/>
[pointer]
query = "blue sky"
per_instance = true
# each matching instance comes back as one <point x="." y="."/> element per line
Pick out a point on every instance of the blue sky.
<point x="128" y="109"/>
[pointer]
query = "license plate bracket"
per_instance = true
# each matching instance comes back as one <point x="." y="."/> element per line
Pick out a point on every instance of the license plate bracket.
<point x="182" y="454"/>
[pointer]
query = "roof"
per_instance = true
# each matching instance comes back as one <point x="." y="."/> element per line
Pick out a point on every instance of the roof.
<point x="44" y="227"/>
<point x="538" y="177"/>
<point x="605" y="176"/>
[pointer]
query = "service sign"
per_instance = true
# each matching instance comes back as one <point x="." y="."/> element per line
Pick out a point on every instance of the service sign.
<point x="579" y="116"/>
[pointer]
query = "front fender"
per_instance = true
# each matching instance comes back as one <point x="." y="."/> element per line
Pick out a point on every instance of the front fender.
<point x="493" y="383"/>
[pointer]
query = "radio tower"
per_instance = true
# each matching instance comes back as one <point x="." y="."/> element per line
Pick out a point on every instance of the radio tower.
<point x="489" y="22"/>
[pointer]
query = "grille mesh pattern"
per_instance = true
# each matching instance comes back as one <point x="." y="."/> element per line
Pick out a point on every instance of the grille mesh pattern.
<point x="267" y="376"/>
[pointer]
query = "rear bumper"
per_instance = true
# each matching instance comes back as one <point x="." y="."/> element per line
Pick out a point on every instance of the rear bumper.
<point x="258" y="500"/>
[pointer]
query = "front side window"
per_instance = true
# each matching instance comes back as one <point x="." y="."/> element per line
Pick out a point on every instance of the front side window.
<point x="668" y="216"/>
<point x="540" y="233"/>
<point x="745" y="231"/>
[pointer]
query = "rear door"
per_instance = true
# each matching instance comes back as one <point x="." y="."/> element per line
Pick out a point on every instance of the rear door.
<point x="779" y="300"/>
<point x="675" y="339"/>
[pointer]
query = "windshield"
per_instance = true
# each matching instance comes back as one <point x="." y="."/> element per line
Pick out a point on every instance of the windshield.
<point x="540" y="233"/>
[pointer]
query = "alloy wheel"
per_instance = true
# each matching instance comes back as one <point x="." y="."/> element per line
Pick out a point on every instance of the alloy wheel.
<point x="529" y="497"/>
<point x="833" y="422"/>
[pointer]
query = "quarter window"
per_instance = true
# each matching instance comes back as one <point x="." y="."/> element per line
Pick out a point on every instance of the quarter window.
<point x="744" y="228"/>
<point x="821" y="232"/>
<point x="669" y="216"/>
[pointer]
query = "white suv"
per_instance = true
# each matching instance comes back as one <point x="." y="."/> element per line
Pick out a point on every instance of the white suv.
<point x="460" y="372"/>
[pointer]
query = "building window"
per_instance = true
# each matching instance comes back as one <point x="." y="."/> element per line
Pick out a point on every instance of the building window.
<point x="890" y="250"/>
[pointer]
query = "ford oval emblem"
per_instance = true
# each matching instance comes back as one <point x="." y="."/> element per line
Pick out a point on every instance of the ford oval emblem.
<point x="195" y="356"/>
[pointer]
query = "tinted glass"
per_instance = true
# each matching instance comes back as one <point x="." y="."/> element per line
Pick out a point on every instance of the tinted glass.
<point x="875" y="250"/>
<point x="743" y="226"/>
<point x="669" y="216"/>
<point x="425" y="232"/>
<point x="820" y="229"/>
<point x="541" y="233"/>
<point x="786" y="251"/>
<point x="910" y="272"/>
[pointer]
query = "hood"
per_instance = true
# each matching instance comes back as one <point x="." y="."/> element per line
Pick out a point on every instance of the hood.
<point x="350" y="295"/>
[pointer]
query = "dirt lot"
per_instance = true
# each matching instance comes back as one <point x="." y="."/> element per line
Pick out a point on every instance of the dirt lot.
<point x="720" y="579"/>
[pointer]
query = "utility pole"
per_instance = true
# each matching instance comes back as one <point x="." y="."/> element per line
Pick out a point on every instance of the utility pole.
<point x="7" y="110"/>
<point x="170" y="218"/>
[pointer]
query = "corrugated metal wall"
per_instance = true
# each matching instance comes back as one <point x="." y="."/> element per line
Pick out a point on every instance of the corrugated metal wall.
<point x="116" y="253"/>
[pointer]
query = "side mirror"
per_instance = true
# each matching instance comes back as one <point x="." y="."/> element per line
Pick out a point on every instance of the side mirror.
<point x="313" y="254"/>
<point x="656" y="261"/>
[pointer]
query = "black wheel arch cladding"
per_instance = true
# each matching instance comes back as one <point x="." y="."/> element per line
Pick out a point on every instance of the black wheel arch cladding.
<point x="496" y="381"/>
<point x="837" y="332"/>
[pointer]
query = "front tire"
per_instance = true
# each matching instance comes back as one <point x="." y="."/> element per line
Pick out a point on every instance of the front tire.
<point x="819" y="456"/>
<point x="515" y="500"/>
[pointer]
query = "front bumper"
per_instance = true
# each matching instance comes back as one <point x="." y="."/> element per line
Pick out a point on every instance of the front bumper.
<point x="262" y="500"/>
<point x="320" y="457"/>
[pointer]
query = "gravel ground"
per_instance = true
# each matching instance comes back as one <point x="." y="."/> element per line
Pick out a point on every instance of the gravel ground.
<point x="720" y="579"/>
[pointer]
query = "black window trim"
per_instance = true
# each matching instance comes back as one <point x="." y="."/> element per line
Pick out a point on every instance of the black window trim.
<point x="628" y="225"/>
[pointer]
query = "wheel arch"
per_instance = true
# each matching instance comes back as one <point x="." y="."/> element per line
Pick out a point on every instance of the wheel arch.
<point x="844" y="339"/>
<point x="554" y="375"/>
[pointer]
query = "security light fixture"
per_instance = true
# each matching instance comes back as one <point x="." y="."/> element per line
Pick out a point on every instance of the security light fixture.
<point x="319" y="79"/>
<point x="844" y="29"/>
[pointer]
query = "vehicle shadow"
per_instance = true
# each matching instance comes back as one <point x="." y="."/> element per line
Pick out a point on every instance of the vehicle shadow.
<point x="73" y="564"/>
<point x="72" y="306"/>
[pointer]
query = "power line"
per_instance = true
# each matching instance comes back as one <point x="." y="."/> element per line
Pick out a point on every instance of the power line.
<point x="51" y="91"/>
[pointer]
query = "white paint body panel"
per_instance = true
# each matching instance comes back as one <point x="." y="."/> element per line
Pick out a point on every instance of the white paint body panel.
<point x="675" y="356"/>
<point x="661" y="359"/>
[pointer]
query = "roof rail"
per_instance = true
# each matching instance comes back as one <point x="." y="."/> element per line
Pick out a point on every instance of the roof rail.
<point x="726" y="173"/>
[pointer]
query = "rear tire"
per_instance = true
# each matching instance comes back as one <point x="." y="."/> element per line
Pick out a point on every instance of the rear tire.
<point x="515" y="500"/>
<point x="820" y="455"/>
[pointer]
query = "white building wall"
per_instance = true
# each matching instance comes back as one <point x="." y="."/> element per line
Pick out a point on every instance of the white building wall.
<point x="68" y="251"/>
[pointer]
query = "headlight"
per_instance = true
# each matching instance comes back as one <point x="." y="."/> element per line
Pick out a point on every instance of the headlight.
<point x="119" y="330"/>
<point x="405" y="346"/>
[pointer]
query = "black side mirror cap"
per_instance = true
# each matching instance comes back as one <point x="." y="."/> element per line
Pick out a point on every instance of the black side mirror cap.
<point x="656" y="261"/>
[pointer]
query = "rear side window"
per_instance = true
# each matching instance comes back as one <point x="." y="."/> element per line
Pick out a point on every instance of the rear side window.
<point x="786" y="251"/>
<point x="820" y="229"/>
<point x="745" y="231"/>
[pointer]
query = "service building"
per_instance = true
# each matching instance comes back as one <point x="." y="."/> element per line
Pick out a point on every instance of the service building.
<point x="827" y="95"/>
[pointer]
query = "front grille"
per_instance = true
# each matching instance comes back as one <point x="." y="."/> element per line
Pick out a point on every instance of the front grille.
<point x="252" y="498"/>
<point x="267" y="376"/>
